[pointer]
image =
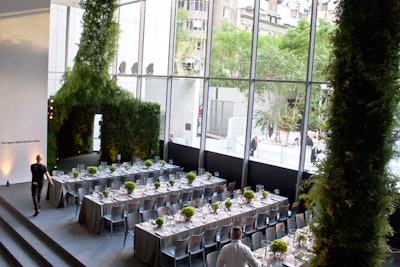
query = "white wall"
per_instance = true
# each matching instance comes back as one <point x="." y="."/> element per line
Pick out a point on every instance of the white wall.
<point x="24" y="43"/>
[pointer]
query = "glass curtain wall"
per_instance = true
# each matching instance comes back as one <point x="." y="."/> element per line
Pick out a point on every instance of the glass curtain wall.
<point x="162" y="57"/>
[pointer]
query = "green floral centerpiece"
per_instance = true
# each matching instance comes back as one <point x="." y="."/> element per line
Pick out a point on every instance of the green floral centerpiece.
<point x="215" y="207"/>
<point x="264" y="194"/>
<point x="127" y="166"/>
<point x="172" y="182"/>
<point x="302" y="238"/>
<point x="228" y="204"/>
<point x="249" y="195"/>
<point x="92" y="170"/>
<point x="191" y="176"/>
<point x="163" y="162"/>
<point x="209" y="175"/>
<point x="278" y="247"/>
<point x="130" y="186"/>
<point x="106" y="192"/>
<point x="157" y="184"/>
<point x="148" y="163"/>
<point x="159" y="221"/>
<point x="112" y="168"/>
<point x="76" y="174"/>
<point x="187" y="212"/>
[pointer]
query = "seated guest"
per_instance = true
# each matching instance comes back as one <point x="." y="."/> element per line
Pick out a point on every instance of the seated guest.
<point x="236" y="254"/>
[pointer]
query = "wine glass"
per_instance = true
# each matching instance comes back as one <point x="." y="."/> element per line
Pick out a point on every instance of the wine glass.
<point x="265" y="244"/>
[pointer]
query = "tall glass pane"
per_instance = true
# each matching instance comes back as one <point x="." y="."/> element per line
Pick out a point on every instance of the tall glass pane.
<point x="156" y="37"/>
<point x="283" y="41"/>
<point x="323" y="44"/>
<point x="185" y="121"/>
<point x="155" y="90"/>
<point x="317" y="132"/>
<point x="232" y="40"/>
<point x="227" y="117"/>
<point x="74" y="36"/>
<point x="58" y="20"/>
<point x="191" y="29"/>
<point x="277" y="122"/>
<point x="128" y="41"/>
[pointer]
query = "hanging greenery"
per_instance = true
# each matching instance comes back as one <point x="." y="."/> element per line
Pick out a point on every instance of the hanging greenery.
<point x="353" y="192"/>
<point x="89" y="89"/>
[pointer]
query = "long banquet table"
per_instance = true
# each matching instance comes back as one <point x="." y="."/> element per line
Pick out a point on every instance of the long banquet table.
<point x="65" y="183"/>
<point x="149" y="240"/>
<point x="296" y="256"/>
<point x="95" y="205"/>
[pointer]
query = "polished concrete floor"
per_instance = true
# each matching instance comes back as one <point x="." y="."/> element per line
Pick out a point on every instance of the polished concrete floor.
<point x="62" y="225"/>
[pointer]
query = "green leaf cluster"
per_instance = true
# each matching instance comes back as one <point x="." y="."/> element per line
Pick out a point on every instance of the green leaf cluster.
<point x="353" y="192"/>
<point x="249" y="194"/>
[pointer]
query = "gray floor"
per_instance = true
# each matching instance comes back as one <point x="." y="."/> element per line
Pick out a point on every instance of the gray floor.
<point x="62" y="225"/>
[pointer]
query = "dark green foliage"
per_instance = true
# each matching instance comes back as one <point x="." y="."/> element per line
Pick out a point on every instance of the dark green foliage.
<point x="353" y="190"/>
<point x="130" y="129"/>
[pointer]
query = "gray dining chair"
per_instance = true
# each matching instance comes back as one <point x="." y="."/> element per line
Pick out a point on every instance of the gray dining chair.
<point x="272" y="217"/>
<point x="250" y="225"/>
<point x="256" y="240"/>
<point x="196" y="246"/>
<point x="132" y="219"/>
<point x="283" y="213"/>
<point x="300" y="220"/>
<point x="280" y="230"/>
<point x="210" y="238"/>
<point x="224" y="235"/>
<point x="291" y="224"/>
<point x="270" y="234"/>
<point x="246" y="240"/>
<point x="78" y="201"/>
<point x="149" y="215"/>
<point x="211" y="258"/>
<point x="179" y="251"/>
<point x="262" y="221"/>
<point x="117" y="215"/>
<point x="148" y="204"/>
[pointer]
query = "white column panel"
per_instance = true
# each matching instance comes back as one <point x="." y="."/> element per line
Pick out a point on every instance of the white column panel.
<point x="24" y="43"/>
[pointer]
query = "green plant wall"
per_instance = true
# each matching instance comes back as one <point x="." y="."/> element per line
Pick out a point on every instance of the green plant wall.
<point x="131" y="129"/>
<point x="353" y="191"/>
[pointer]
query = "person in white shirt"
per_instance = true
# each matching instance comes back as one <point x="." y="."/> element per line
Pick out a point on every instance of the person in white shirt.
<point x="237" y="254"/>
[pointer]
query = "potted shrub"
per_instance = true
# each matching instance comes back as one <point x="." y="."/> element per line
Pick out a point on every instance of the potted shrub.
<point x="249" y="195"/>
<point x="92" y="170"/>
<point x="278" y="247"/>
<point x="130" y="186"/>
<point x="172" y="182"/>
<point x="76" y="174"/>
<point x="112" y="168"/>
<point x="148" y="163"/>
<point x="191" y="176"/>
<point x="302" y="238"/>
<point x="157" y="184"/>
<point x="215" y="207"/>
<point x="228" y="204"/>
<point x="187" y="212"/>
<point x="106" y="192"/>
<point x="159" y="221"/>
